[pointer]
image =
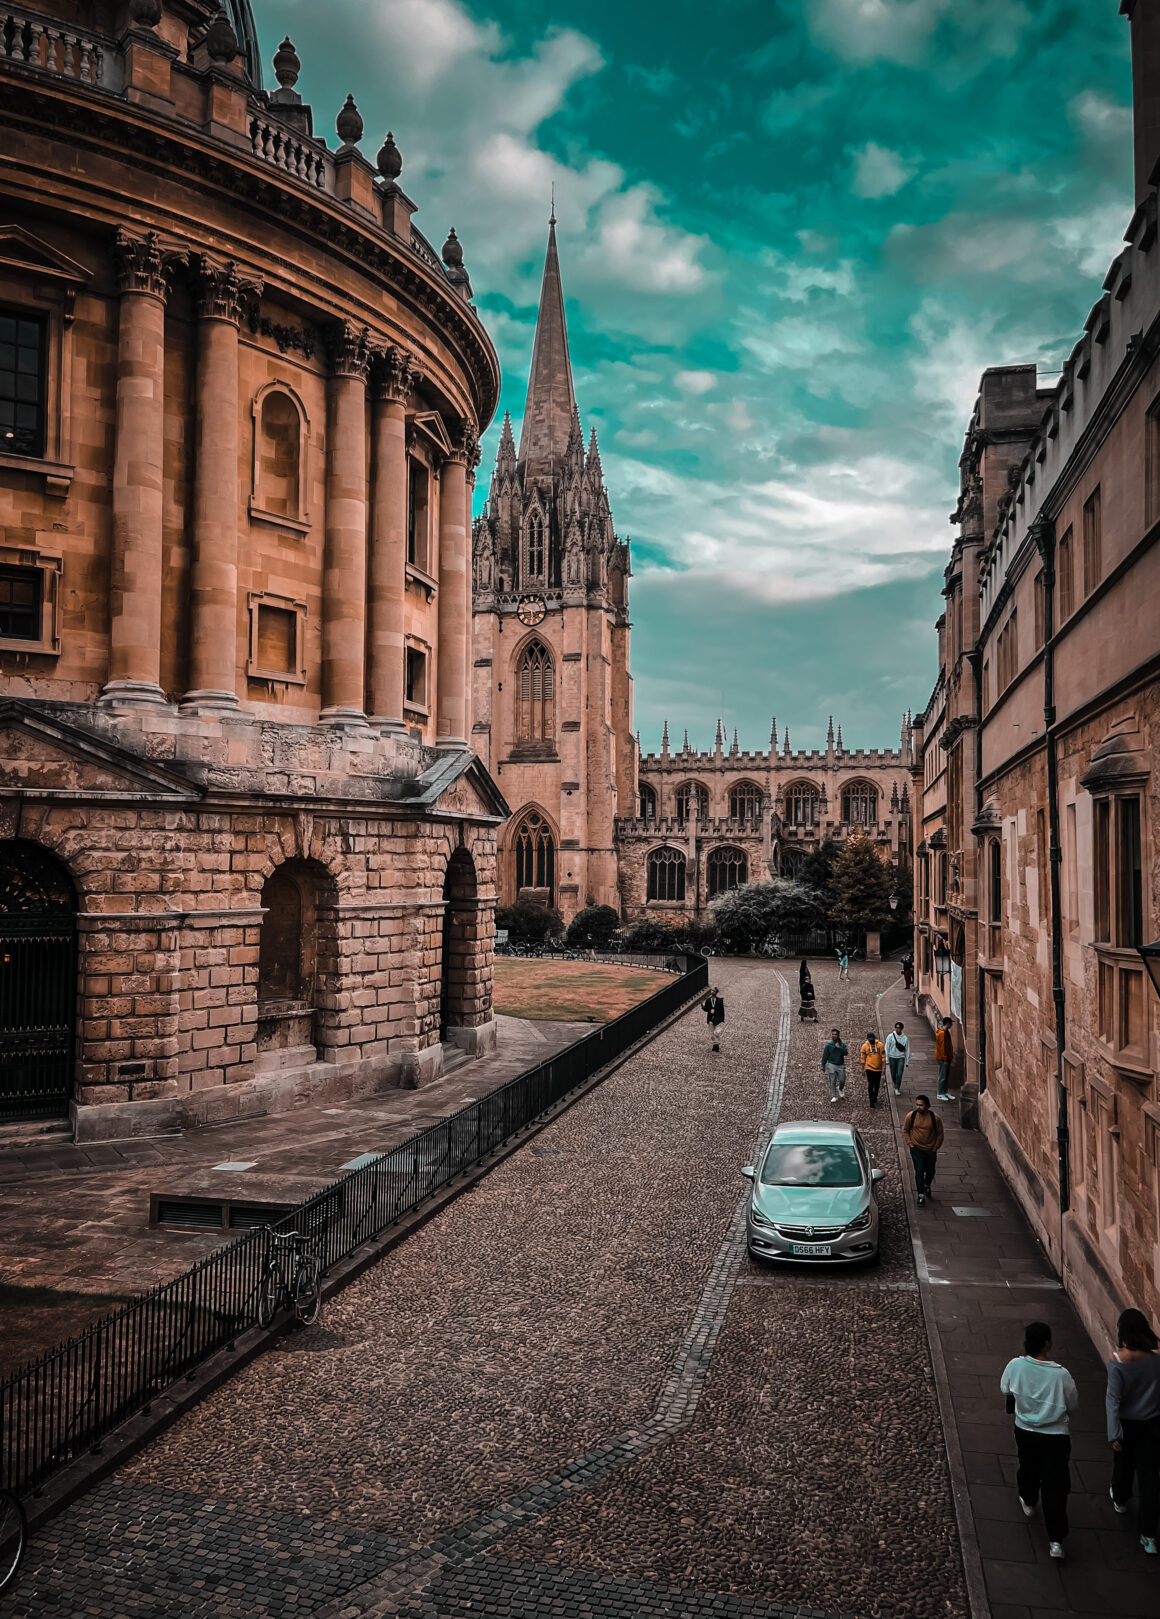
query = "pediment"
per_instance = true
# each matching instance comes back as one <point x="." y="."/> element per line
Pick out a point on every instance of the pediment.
<point x="21" y="250"/>
<point x="457" y="784"/>
<point x="431" y="423"/>
<point x="41" y="756"/>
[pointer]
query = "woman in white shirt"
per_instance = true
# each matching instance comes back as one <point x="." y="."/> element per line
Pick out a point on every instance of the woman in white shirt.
<point x="897" y="1055"/>
<point x="1041" y="1393"/>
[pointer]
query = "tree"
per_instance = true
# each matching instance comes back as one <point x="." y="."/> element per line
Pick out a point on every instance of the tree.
<point x="647" y="934"/>
<point x="745" y="916"/>
<point x="860" y="885"/>
<point x="528" y="921"/>
<point x="594" y="927"/>
<point x="817" y="868"/>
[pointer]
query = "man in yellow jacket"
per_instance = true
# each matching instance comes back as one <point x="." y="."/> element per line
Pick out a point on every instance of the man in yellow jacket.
<point x="922" y="1131"/>
<point x="873" y="1063"/>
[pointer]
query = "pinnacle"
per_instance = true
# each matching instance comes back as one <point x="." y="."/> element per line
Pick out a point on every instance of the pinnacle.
<point x="551" y="400"/>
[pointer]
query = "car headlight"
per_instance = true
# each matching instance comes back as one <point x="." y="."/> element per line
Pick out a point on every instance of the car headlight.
<point x="757" y="1217"/>
<point x="862" y="1221"/>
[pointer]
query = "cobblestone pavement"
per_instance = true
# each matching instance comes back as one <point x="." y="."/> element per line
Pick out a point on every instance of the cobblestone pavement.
<point x="571" y="1393"/>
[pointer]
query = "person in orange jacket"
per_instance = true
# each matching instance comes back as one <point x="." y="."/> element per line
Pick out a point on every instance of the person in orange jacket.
<point x="944" y="1055"/>
<point x="873" y="1063"/>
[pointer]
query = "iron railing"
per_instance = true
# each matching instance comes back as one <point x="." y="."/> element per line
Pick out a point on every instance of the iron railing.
<point x="66" y="1402"/>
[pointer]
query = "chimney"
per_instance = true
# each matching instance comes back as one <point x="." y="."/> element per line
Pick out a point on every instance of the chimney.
<point x="1144" y="18"/>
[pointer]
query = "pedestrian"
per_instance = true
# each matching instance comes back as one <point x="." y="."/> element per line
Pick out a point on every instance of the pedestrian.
<point x="714" y="1009"/>
<point x="1134" y="1422"/>
<point x="843" y="963"/>
<point x="1040" y="1392"/>
<point x="922" y="1130"/>
<point x="897" y="1055"/>
<point x="873" y="1063"/>
<point x="803" y="975"/>
<point x="907" y="971"/>
<point x="834" y="1064"/>
<point x="944" y="1055"/>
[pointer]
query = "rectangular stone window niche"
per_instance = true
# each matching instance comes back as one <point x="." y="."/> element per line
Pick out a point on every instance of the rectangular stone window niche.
<point x="30" y="600"/>
<point x="277" y="640"/>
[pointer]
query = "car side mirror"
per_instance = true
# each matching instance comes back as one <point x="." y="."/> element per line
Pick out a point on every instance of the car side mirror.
<point x="749" y="1172"/>
<point x="877" y="1174"/>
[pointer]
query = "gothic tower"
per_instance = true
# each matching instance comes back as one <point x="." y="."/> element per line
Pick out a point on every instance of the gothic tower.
<point x="553" y="695"/>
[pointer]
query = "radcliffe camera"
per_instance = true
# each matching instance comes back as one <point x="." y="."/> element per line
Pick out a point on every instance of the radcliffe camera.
<point x="579" y="972"/>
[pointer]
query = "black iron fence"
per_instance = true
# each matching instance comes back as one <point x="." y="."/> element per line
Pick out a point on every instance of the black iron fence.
<point x="66" y="1402"/>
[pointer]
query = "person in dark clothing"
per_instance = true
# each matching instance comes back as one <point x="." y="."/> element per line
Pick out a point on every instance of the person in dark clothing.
<point x="803" y="975"/>
<point x="922" y="1131"/>
<point x="1133" y="1405"/>
<point x="1041" y="1394"/>
<point x="714" y="1009"/>
<point x="907" y="971"/>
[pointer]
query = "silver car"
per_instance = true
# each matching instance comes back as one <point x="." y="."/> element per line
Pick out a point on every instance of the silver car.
<point x="813" y="1196"/>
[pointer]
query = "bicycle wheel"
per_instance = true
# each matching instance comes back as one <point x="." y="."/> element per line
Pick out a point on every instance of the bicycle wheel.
<point x="308" y="1289"/>
<point x="13" y="1537"/>
<point x="270" y="1297"/>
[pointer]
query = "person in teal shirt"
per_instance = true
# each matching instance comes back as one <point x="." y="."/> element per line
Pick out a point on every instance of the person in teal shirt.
<point x="834" y="1064"/>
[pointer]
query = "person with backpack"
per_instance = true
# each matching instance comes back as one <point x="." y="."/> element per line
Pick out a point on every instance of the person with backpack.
<point x="834" y="1064"/>
<point x="1133" y="1406"/>
<point x="944" y="1055"/>
<point x="897" y="1056"/>
<point x="922" y="1130"/>
<point x="714" y="1009"/>
<point x="1041" y="1394"/>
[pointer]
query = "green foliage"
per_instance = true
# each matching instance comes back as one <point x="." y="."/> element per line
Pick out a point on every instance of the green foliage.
<point x="817" y="869"/>
<point x="647" y="934"/>
<point x="861" y="885"/>
<point x="695" y="934"/>
<point x="594" y="927"/>
<point x="747" y="915"/>
<point x="529" y="922"/>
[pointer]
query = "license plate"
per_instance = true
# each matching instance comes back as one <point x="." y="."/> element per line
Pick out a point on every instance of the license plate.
<point x="817" y="1250"/>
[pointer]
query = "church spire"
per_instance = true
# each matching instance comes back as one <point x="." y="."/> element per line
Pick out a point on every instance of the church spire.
<point x="551" y="401"/>
<point x="507" y="443"/>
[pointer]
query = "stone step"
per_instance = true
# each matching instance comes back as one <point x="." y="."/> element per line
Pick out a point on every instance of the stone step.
<point x="33" y="1133"/>
<point x="453" y="1057"/>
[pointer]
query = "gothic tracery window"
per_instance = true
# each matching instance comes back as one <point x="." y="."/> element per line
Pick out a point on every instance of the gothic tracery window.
<point x="666" y="874"/>
<point x="534" y="555"/>
<point x="745" y="802"/>
<point x="727" y="868"/>
<point x="860" y="804"/>
<point x="692" y="793"/>
<point x="648" y="802"/>
<point x="801" y="805"/>
<point x="535" y="851"/>
<point x="535" y="694"/>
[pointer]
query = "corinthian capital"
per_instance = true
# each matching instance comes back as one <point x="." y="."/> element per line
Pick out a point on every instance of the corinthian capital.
<point x="222" y="293"/>
<point x="464" y="444"/>
<point x="395" y="375"/>
<point x="349" y="348"/>
<point x="144" y="263"/>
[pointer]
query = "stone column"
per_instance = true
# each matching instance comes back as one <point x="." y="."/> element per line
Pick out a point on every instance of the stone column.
<point x="345" y="562"/>
<point x="454" y="588"/>
<point x="213" y="655"/>
<point x="143" y="267"/>
<point x="394" y="376"/>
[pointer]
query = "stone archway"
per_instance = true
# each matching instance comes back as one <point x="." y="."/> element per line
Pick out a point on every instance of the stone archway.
<point x="38" y="982"/>
<point x="289" y="965"/>
<point x="460" y="977"/>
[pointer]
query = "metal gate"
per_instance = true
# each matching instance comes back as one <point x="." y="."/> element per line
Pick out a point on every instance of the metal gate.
<point x="38" y="983"/>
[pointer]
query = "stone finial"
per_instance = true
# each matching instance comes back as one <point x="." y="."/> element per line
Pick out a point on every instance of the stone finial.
<point x="287" y="65"/>
<point x="785" y="750"/>
<point x="453" y="262"/>
<point x="507" y="440"/>
<point x="734" y="749"/>
<point x="145" y="13"/>
<point x="773" y="734"/>
<point x="685" y="743"/>
<point x="839" y="739"/>
<point x="220" y="40"/>
<point x="349" y="125"/>
<point x="665" y="738"/>
<point x="390" y="165"/>
<point x="830" y="733"/>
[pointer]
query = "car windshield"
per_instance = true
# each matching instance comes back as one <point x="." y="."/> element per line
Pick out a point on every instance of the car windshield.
<point x="811" y="1163"/>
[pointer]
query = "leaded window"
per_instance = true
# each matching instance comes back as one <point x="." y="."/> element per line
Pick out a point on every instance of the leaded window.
<point x="648" y="802"/>
<point x="692" y="793"/>
<point x="860" y="804"/>
<point x="801" y="805"/>
<point x="728" y="868"/>
<point x="535" y="694"/>
<point x="21" y="597"/>
<point x="535" y="849"/>
<point x="666" y="874"/>
<point x="21" y="384"/>
<point x="745" y="802"/>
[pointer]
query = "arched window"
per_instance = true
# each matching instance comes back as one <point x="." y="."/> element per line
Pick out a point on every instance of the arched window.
<point x="648" y="802"/>
<point x="666" y="874"/>
<point x="287" y="942"/>
<point x="692" y="792"/>
<point x="728" y="868"/>
<point x="860" y="804"/>
<point x="745" y="802"/>
<point x="279" y="474"/>
<point x="534" y="554"/>
<point x="535" y="694"/>
<point x="994" y="897"/>
<point x="801" y="804"/>
<point x="535" y="851"/>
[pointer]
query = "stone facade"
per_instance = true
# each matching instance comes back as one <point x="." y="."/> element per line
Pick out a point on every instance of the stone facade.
<point x="1042" y="865"/>
<point x="712" y="820"/>
<point x="240" y="403"/>
<point x="553" y="695"/>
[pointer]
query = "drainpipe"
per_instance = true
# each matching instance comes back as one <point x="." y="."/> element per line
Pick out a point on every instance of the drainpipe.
<point x="1043" y="533"/>
<point x="975" y="659"/>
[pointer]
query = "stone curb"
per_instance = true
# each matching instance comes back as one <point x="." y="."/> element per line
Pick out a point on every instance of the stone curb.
<point x="124" y="1442"/>
<point x="977" y="1598"/>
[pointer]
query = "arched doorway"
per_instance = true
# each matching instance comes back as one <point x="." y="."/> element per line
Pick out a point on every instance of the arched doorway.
<point x="38" y="982"/>
<point x="288" y="966"/>
<point x="458" y="990"/>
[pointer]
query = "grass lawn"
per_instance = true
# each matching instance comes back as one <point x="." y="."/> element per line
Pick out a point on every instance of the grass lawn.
<point x="570" y="991"/>
<point x="34" y="1319"/>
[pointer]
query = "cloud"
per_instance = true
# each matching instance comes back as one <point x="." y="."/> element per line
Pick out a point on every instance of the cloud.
<point x="695" y="382"/>
<point x="878" y="172"/>
<point x="1101" y="118"/>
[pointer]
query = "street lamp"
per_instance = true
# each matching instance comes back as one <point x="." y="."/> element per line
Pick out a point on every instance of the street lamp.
<point x="1150" y="955"/>
<point x="893" y="902"/>
<point x="942" y="958"/>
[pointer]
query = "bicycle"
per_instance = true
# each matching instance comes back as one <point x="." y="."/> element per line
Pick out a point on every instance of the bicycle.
<point x="301" y="1287"/>
<point x="13" y="1537"/>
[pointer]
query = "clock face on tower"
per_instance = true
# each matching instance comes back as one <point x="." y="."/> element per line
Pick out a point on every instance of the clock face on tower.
<point x="531" y="610"/>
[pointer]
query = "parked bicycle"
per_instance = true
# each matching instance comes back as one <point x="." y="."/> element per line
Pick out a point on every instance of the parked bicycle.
<point x="13" y="1537"/>
<point x="292" y="1276"/>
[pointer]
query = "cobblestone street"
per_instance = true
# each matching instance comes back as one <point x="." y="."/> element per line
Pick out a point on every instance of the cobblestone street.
<point x="571" y="1392"/>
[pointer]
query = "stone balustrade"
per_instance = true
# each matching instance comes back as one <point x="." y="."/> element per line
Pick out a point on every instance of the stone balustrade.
<point x="32" y="41"/>
<point x="301" y="158"/>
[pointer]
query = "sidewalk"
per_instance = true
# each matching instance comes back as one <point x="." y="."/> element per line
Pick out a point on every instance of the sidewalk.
<point x="982" y="1277"/>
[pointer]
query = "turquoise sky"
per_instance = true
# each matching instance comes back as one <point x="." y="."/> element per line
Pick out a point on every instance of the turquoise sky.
<point x="792" y="234"/>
